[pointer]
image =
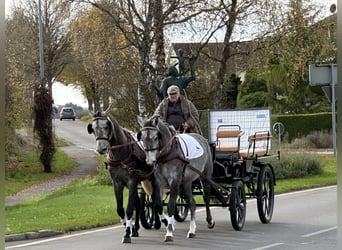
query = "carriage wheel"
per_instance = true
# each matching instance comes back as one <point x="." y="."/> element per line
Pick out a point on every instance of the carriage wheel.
<point x="182" y="209"/>
<point x="237" y="205"/>
<point x="146" y="210"/>
<point x="265" y="194"/>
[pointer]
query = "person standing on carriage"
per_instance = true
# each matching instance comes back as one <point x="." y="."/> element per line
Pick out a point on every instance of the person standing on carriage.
<point x="179" y="112"/>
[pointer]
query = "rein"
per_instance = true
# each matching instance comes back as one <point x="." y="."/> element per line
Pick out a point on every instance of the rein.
<point x="123" y="145"/>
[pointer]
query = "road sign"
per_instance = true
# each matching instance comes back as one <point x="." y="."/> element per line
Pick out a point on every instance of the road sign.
<point x="54" y="111"/>
<point x="328" y="93"/>
<point x="278" y="128"/>
<point x="322" y="74"/>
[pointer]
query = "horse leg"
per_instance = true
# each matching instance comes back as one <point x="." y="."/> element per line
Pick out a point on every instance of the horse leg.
<point x="156" y="209"/>
<point x="171" y="208"/>
<point x="187" y="189"/>
<point x="157" y="197"/>
<point x="118" y="191"/>
<point x="206" y="197"/>
<point x="131" y="204"/>
<point x="136" y="226"/>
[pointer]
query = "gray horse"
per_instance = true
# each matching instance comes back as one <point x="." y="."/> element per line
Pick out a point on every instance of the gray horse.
<point x="126" y="164"/>
<point x="177" y="172"/>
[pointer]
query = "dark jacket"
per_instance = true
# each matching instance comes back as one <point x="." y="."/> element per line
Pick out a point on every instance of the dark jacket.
<point x="189" y="110"/>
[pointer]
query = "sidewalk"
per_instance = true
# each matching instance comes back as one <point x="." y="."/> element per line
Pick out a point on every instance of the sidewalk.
<point x="86" y="164"/>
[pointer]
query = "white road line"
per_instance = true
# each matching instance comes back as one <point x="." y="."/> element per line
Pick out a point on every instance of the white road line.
<point x="319" y="232"/>
<point x="64" y="237"/>
<point x="268" y="246"/>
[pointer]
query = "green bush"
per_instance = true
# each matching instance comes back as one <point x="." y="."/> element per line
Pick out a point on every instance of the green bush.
<point x="102" y="177"/>
<point x="296" y="166"/>
<point x="300" y="125"/>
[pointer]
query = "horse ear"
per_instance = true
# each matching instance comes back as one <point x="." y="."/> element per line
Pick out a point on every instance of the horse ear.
<point x="155" y="121"/>
<point x="90" y="128"/>
<point x="139" y="136"/>
<point x="108" y="109"/>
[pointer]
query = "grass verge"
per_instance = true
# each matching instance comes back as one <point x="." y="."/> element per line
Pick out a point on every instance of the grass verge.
<point x="27" y="171"/>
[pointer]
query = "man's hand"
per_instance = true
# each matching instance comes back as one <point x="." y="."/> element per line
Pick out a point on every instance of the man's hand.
<point x="185" y="127"/>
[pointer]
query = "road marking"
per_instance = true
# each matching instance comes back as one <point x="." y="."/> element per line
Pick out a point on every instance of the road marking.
<point x="268" y="246"/>
<point x="319" y="232"/>
<point x="305" y="191"/>
<point x="64" y="237"/>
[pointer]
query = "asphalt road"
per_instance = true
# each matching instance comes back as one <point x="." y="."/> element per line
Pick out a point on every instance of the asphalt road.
<point x="301" y="220"/>
<point x="75" y="132"/>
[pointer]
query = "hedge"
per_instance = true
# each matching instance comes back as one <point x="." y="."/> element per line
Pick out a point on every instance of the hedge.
<point x="303" y="124"/>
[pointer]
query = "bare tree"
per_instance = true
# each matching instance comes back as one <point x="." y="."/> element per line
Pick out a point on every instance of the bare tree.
<point x="56" y="52"/>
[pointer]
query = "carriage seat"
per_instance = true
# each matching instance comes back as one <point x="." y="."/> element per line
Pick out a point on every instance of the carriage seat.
<point x="228" y="134"/>
<point x="258" y="145"/>
<point x="228" y="144"/>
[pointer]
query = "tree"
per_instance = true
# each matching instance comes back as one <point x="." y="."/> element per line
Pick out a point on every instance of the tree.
<point x="303" y="42"/>
<point x="233" y="90"/>
<point x="26" y="64"/>
<point x="142" y="23"/>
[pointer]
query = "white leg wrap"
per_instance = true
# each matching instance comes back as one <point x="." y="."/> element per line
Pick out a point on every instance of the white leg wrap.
<point x="172" y="220"/>
<point x="128" y="223"/>
<point x="192" y="228"/>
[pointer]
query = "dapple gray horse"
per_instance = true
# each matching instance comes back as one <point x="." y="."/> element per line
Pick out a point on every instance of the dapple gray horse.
<point x="174" y="170"/>
<point x="126" y="165"/>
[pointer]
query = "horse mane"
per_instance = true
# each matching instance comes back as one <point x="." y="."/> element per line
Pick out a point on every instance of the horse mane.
<point x="158" y="122"/>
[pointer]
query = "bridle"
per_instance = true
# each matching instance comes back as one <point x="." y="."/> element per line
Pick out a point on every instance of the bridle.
<point x="95" y="119"/>
<point x="108" y="138"/>
<point x="148" y="128"/>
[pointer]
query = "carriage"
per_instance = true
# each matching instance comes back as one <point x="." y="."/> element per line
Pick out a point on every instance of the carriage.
<point x="240" y="169"/>
<point x="229" y="170"/>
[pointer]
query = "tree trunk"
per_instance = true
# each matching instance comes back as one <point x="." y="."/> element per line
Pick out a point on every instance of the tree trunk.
<point x="43" y="125"/>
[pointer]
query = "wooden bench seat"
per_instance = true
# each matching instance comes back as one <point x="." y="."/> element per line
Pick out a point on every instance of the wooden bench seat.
<point x="254" y="149"/>
<point x="232" y="134"/>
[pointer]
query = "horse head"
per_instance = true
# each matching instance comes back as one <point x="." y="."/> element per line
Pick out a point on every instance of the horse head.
<point x="102" y="128"/>
<point x="154" y="134"/>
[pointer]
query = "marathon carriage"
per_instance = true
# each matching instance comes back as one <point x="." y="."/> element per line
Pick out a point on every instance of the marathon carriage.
<point x="240" y="171"/>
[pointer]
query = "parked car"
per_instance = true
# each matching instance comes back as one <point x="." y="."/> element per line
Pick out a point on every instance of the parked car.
<point x="67" y="113"/>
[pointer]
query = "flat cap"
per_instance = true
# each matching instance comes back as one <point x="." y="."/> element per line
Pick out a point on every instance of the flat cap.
<point x="173" y="89"/>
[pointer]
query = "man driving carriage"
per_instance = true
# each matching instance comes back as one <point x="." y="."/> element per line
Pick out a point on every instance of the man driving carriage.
<point x="178" y="111"/>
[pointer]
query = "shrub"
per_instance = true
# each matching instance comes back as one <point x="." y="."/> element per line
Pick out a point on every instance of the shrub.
<point x="296" y="166"/>
<point x="102" y="177"/>
<point x="321" y="139"/>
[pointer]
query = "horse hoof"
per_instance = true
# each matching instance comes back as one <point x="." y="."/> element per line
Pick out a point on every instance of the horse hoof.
<point x="135" y="234"/>
<point x="126" y="240"/>
<point x="191" y="235"/>
<point x="168" y="238"/>
<point x="211" y="225"/>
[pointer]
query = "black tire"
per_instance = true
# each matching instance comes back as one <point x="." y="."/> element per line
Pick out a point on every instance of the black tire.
<point x="237" y="205"/>
<point x="182" y="209"/>
<point x="265" y="194"/>
<point x="146" y="210"/>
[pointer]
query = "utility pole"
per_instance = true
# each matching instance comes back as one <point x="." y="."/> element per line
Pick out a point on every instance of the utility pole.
<point x="41" y="46"/>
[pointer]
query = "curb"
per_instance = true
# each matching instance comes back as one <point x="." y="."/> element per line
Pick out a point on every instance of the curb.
<point x="31" y="235"/>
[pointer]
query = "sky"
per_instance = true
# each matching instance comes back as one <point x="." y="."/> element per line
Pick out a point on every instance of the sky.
<point x="63" y="94"/>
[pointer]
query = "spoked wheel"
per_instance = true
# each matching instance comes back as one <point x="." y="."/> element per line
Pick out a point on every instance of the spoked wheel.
<point x="265" y="194"/>
<point x="237" y="205"/>
<point x="182" y="209"/>
<point x="146" y="210"/>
